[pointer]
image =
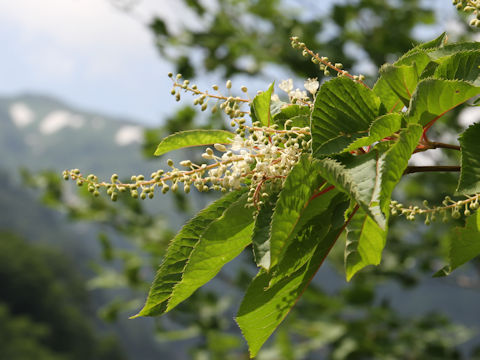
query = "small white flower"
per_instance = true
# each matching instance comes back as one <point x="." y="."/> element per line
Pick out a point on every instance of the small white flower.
<point x="298" y="94"/>
<point x="312" y="85"/>
<point x="286" y="85"/>
<point x="237" y="143"/>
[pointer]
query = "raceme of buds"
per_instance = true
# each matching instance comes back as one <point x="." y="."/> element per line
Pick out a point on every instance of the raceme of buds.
<point x="258" y="157"/>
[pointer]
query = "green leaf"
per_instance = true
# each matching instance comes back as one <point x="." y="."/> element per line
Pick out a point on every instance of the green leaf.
<point x="299" y="186"/>
<point x="263" y="308"/>
<point x="179" y="252"/>
<point x="365" y="243"/>
<point x="402" y="79"/>
<point x="314" y="224"/>
<point x="397" y="82"/>
<point x="360" y="178"/>
<point x="433" y="98"/>
<point x="438" y="42"/>
<point x="338" y="144"/>
<point x="381" y="128"/>
<point x="452" y="49"/>
<point x="343" y="108"/>
<point x="191" y="138"/>
<point x="369" y="179"/>
<point x="419" y="57"/>
<point x="461" y="66"/>
<point x="464" y="245"/>
<point x="429" y="45"/>
<point x="469" y="182"/>
<point x="222" y="241"/>
<point x="395" y="162"/>
<point x="365" y="238"/>
<point x="389" y="98"/>
<point x="261" y="107"/>
<point x="261" y="232"/>
<point x="300" y="115"/>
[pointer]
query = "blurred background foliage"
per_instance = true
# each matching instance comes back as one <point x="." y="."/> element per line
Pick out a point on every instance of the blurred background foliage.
<point x="394" y="311"/>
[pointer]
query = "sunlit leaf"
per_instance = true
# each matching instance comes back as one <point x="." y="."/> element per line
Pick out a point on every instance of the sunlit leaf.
<point x="343" y="109"/>
<point x="469" y="182"/>
<point x="303" y="180"/>
<point x="433" y="98"/>
<point x="261" y="107"/>
<point x="381" y="128"/>
<point x="365" y="243"/>
<point x="191" y="138"/>
<point x="263" y="308"/>
<point x="461" y="66"/>
<point x="261" y="232"/>
<point x="179" y="252"/>
<point x="316" y="221"/>
<point x="222" y="241"/>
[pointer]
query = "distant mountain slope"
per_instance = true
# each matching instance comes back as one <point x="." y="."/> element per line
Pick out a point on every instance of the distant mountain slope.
<point x="40" y="132"/>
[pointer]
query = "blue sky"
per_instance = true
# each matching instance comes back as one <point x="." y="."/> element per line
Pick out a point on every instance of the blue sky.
<point x="91" y="55"/>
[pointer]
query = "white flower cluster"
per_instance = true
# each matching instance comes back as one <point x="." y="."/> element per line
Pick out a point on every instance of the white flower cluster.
<point x="311" y="85"/>
<point x="264" y="157"/>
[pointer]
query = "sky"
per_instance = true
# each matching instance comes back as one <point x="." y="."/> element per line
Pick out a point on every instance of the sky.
<point x="89" y="54"/>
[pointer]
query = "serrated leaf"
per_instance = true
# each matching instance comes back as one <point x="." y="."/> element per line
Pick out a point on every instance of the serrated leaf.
<point x="261" y="107"/>
<point x="365" y="238"/>
<point x="223" y="240"/>
<point x="461" y="66"/>
<point x="381" y="128"/>
<point x="434" y="97"/>
<point x="179" y="251"/>
<point x="191" y="138"/>
<point x="369" y="179"/>
<point x="431" y="45"/>
<point x="263" y="308"/>
<point x="299" y="186"/>
<point x="389" y="99"/>
<point x="365" y="243"/>
<point x="397" y="82"/>
<point x="402" y="79"/>
<point x="419" y="57"/>
<point x="395" y="161"/>
<point x="261" y="232"/>
<point x="343" y="108"/>
<point x="464" y="245"/>
<point x="360" y="178"/>
<point x="314" y="224"/>
<point x="469" y="182"/>
<point x="451" y="49"/>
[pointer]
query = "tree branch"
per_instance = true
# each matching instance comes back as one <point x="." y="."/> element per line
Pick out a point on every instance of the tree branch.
<point x="438" y="168"/>
<point x="437" y="145"/>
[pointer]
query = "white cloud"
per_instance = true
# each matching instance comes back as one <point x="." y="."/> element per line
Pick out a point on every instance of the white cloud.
<point x="127" y="135"/>
<point x="59" y="119"/>
<point x="21" y="114"/>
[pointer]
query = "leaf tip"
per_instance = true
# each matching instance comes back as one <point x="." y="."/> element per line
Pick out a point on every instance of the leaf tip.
<point x="445" y="271"/>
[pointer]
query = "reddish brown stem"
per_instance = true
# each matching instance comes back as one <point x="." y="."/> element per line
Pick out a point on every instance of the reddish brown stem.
<point x="322" y="192"/>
